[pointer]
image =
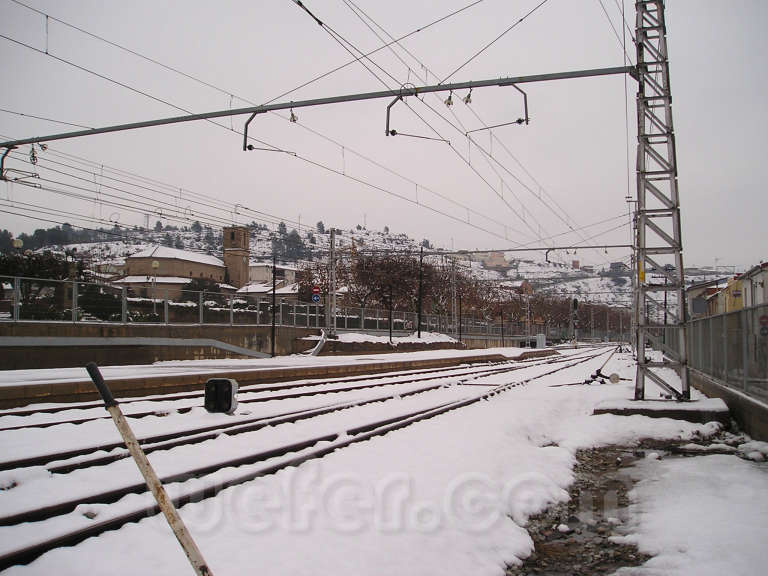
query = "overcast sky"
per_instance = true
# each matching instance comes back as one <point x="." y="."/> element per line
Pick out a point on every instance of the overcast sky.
<point x="567" y="169"/>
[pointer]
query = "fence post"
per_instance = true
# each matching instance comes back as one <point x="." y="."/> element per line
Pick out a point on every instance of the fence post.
<point x="124" y="304"/>
<point x="166" y="317"/>
<point x="711" y="323"/>
<point x="200" y="299"/>
<point x="725" y="348"/>
<point x="745" y="344"/>
<point x="16" y="298"/>
<point x="74" y="300"/>
<point x="231" y="309"/>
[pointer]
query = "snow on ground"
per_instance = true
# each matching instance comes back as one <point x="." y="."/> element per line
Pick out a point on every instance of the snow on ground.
<point x="450" y="495"/>
<point x="703" y="516"/>
<point x="426" y="337"/>
<point x="16" y="377"/>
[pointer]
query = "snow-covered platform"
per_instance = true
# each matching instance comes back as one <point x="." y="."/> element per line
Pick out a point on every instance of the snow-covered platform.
<point x="698" y="411"/>
<point x="22" y="387"/>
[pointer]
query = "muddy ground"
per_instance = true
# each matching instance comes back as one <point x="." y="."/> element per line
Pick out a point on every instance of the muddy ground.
<point x="573" y="537"/>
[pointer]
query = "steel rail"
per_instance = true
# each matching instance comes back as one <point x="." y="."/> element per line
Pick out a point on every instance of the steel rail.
<point x="56" y="456"/>
<point x="252" y="388"/>
<point x="354" y="435"/>
<point x="28" y="553"/>
<point x="268" y="388"/>
<point x="366" y="430"/>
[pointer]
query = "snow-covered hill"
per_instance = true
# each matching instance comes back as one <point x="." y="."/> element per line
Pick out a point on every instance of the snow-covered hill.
<point x="543" y="276"/>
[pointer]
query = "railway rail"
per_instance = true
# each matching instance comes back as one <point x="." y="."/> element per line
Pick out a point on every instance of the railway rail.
<point x="97" y="406"/>
<point x="449" y="393"/>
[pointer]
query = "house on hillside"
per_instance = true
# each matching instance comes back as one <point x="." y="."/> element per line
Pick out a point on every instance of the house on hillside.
<point x="166" y="262"/>
<point x="261" y="272"/>
<point x="255" y="290"/>
<point x="110" y="268"/>
<point x="288" y="293"/>
<point x="494" y="260"/>
<point x="160" y="270"/>
<point x="618" y="268"/>
<point x="520" y="286"/>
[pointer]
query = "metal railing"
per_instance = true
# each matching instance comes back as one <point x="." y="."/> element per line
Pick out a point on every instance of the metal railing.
<point x="35" y="300"/>
<point x="733" y="348"/>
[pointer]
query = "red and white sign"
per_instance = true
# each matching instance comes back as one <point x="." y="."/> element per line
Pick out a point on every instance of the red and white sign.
<point x="315" y="289"/>
<point x="764" y="320"/>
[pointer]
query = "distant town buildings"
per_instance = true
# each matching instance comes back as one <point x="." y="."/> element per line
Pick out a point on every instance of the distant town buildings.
<point x="160" y="271"/>
<point x="729" y="294"/>
<point x="494" y="260"/>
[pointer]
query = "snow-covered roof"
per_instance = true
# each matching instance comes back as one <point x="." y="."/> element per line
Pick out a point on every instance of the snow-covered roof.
<point x="110" y="261"/>
<point x="288" y="289"/>
<point x="256" y="288"/>
<point x="157" y="279"/>
<point x="97" y="274"/>
<point x="227" y="287"/>
<point x="253" y="264"/>
<point x="176" y="254"/>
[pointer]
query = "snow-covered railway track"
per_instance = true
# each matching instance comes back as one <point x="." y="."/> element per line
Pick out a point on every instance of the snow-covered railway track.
<point x="91" y="514"/>
<point x="399" y="387"/>
<point x="89" y="411"/>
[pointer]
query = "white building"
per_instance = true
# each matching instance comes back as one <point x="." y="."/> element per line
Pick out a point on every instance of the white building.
<point x="261" y="272"/>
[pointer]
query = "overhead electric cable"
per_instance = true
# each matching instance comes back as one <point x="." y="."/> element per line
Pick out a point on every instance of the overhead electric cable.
<point x="421" y="204"/>
<point x="360" y="13"/>
<point x="622" y="44"/>
<point x="492" y="42"/>
<point x="43" y="118"/>
<point x="343" y="42"/>
<point x="121" y="84"/>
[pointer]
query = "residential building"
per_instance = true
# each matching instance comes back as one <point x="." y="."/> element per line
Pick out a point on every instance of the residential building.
<point x="698" y="296"/>
<point x="261" y="272"/>
<point x="755" y="285"/>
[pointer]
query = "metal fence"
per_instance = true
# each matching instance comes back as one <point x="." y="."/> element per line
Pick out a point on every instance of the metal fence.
<point x="36" y="300"/>
<point x="733" y="348"/>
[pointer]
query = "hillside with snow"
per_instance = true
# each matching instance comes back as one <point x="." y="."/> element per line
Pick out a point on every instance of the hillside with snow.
<point x="599" y="286"/>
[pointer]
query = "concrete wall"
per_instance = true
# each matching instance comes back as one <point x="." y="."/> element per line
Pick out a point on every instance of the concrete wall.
<point x="42" y="355"/>
<point x="479" y="342"/>
<point x="751" y="414"/>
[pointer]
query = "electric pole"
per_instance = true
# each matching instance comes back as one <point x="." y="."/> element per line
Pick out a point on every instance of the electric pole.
<point x="421" y="281"/>
<point x="658" y="206"/>
<point x="274" y="289"/>
<point x="330" y="309"/>
<point x="453" y="286"/>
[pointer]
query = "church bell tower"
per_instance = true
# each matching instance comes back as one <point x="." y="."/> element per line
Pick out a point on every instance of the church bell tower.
<point x="236" y="252"/>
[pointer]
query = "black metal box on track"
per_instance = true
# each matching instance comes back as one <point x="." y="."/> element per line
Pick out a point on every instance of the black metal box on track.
<point x="221" y="395"/>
